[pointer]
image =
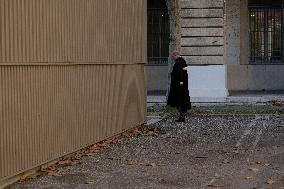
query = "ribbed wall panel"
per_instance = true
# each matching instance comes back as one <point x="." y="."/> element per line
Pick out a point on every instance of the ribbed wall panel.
<point x="49" y="111"/>
<point x="72" y="31"/>
<point x="71" y="74"/>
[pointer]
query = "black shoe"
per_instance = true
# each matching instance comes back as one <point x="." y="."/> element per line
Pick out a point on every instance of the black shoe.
<point x="181" y="120"/>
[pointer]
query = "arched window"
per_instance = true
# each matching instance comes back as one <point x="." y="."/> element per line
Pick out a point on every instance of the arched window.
<point x="266" y="31"/>
<point x="158" y="32"/>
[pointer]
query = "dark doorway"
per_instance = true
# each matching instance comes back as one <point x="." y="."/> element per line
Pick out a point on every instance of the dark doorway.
<point x="158" y="47"/>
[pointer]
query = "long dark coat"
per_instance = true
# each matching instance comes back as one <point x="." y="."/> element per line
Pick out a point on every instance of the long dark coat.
<point x="179" y="95"/>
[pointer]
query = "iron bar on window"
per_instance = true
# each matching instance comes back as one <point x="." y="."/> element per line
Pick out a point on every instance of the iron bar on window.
<point x="266" y="31"/>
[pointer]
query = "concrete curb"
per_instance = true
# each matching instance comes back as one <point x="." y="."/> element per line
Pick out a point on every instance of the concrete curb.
<point x="246" y="99"/>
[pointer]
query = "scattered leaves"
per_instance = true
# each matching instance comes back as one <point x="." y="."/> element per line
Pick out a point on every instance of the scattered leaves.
<point x="65" y="162"/>
<point x="92" y="150"/>
<point x="276" y="102"/>
<point x="78" y="156"/>
<point x="54" y="173"/>
<point x="23" y="178"/>
<point x="50" y="170"/>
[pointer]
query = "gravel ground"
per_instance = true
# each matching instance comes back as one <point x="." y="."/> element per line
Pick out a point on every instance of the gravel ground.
<point x="208" y="151"/>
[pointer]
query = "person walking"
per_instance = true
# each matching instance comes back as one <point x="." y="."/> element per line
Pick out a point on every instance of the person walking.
<point x="179" y="94"/>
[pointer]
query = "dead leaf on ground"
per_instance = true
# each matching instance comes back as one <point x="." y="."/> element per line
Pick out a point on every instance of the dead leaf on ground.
<point x="23" y="178"/>
<point x="65" y="162"/>
<point x="171" y="137"/>
<point x="249" y="177"/>
<point x="125" y="135"/>
<point x="270" y="182"/>
<point x="36" y="175"/>
<point x="103" y="145"/>
<point x="151" y="165"/>
<point x="132" y="162"/>
<point x="215" y="185"/>
<point x="54" y="173"/>
<point x="116" y="141"/>
<point x="113" y="158"/>
<point x="216" y="177"/>
<point x="85" y="150"/>
<point x="253" y="169"/>
<point x="94" y="148"/>
<point x="77" y="157"/>
<point x="91" y="154"/>
<point x="276" y="102"/>
<point x="152" y="133"/>
<point x="236" y="151"/>
<point x="281" y="178"/>
<point x="226" y="161"/>
<point x="46" y="168"/>
<point x="232" y="151"/>
<point x="136" y="132"/>
<point x="200" y="157"/>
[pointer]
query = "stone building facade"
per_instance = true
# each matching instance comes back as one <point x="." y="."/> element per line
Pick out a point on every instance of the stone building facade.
<point x="232" y="45"/>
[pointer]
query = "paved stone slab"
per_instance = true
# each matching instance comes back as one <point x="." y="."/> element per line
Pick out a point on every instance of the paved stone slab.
<point x="153" y="121"/>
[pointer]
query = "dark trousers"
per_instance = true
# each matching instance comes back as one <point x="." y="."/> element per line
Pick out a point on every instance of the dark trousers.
<point x="182" y="112"/>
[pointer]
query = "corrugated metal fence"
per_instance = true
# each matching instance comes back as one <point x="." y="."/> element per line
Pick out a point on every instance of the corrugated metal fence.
<point x="71" y="74"/>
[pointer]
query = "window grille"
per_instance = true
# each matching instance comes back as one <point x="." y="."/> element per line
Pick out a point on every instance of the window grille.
<point x="158" y="36"/>
<point x="266" y="34"/>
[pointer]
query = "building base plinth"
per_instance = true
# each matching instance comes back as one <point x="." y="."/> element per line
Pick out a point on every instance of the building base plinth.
<point x="207" y="83"/>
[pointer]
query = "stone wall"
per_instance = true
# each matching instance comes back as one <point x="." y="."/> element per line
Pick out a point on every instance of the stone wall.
<point x="241" y="75"/>
<point x="202" y="31"/>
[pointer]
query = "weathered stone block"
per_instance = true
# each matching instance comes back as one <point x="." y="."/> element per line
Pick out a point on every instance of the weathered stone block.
<point x="201" y="3"/>
<point x="204" y="59"/>
<point x="202" y="50"/>
<point x="202" y="41"/>
<point x="202" y="32"/>
<point x="202" y="22"/>
<point x="202" y="13"/>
